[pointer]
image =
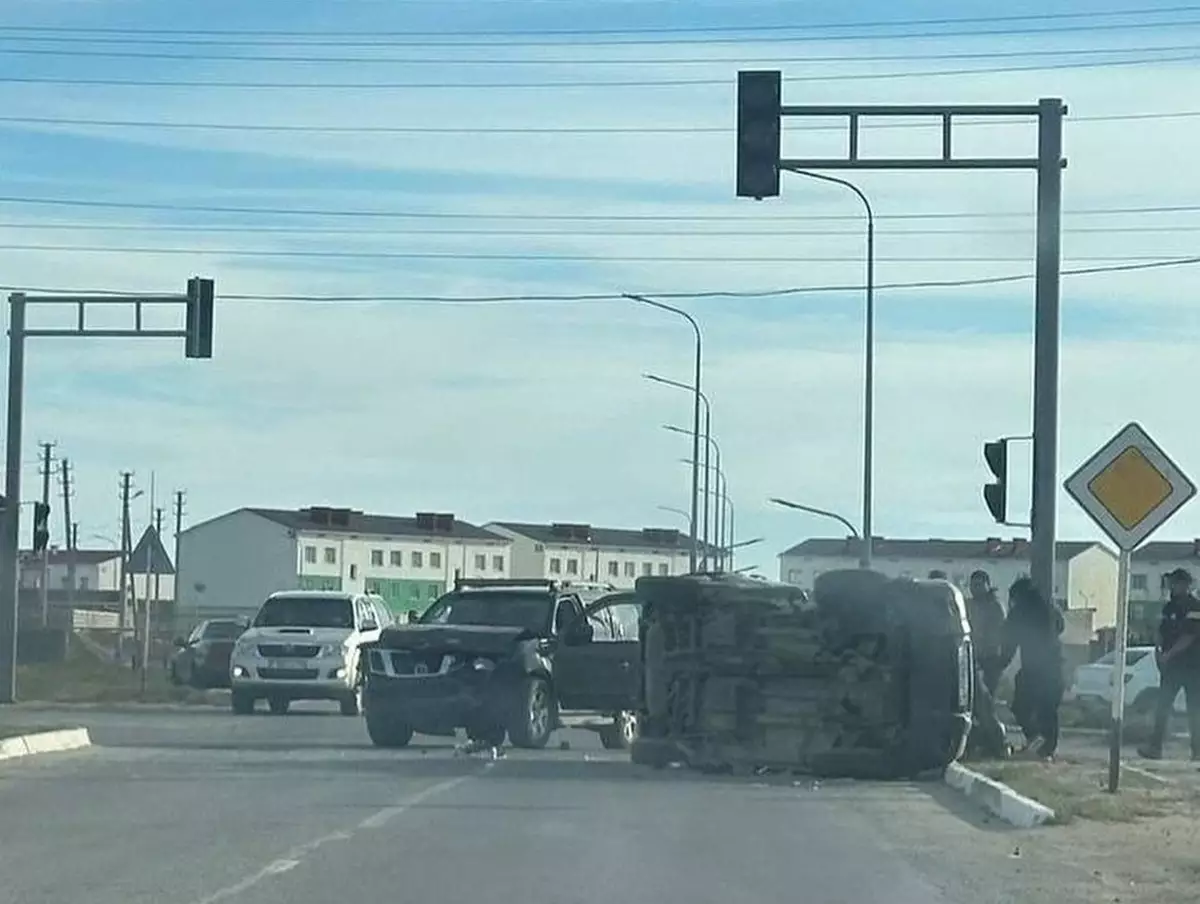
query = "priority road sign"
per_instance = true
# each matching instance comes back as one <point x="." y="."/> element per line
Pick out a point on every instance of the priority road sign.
<point x="1130" y="487"/>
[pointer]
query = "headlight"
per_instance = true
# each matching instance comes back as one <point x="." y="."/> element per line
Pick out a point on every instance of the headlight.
<point x="482" y="665"/>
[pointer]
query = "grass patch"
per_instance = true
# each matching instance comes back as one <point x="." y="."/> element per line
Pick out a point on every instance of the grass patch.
<point x="1078" y="791"/>
<point x="85" y="678"/>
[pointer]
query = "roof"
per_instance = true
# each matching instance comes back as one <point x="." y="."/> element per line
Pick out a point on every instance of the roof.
<point x="992" y="548"/>
<point x="586" y="535"/>
<point x="1169" y="551"/>
<point x="150" y="556"/>
<point x="81" y="556"/>
<point x="350" y="521"/>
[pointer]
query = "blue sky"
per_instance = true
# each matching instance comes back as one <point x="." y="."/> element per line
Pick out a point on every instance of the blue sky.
<point x="502" y="190"/>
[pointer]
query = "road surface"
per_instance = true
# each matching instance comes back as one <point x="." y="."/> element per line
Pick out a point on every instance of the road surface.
<point x="200" y="807"/>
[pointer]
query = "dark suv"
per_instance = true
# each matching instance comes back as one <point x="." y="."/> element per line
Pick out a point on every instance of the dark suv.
<point x="515" y="658"/>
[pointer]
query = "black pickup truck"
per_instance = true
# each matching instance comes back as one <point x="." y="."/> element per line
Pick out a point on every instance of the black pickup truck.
<point x="508" y="658"/>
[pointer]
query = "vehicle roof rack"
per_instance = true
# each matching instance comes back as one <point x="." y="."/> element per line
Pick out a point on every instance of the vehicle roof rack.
<point x="587" y="585"/>
<point x="541" y="583"/>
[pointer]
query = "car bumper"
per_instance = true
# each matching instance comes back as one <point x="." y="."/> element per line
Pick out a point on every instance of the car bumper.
<point x="321" y="680"/>
<point x="439" y="704"/>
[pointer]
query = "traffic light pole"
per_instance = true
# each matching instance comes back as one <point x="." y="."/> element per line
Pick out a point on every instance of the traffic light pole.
<point x="197" y="336"/>
<point x="760" y="114"/>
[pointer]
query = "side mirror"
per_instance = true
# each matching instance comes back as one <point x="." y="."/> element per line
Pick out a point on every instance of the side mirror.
<point x="180" y="642"/>
<point x="413" y="616"/>
<point x="370" y="626"/>
<point x="580" y="633"/>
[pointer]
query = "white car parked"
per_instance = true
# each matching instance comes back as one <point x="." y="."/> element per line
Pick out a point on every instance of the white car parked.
<point x="304" y="645"/>
<point x="1092" y="687"/>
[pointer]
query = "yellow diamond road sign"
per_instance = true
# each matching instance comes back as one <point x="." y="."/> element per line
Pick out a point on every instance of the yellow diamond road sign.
<point x="1130" y="487"/>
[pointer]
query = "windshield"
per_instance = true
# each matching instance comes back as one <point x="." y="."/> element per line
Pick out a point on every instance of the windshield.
<point x="222" y="630"/>
<point x="306" y="612"/>
<point x="1131" y="657"/>
<point x="530" y="611"/>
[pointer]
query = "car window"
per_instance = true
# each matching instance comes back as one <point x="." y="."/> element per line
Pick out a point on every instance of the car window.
<point x="197" y="632"/>
<point x="530" y="610"/>
<point x="625" y="620"/>
<point x="568" y="610"/>
<point x="1132" y="657"/>
<point x="306" y="612"/>
<point x="222" y="631"/>
<point x="602" y="625"/>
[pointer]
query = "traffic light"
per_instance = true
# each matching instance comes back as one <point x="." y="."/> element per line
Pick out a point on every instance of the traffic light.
<point x="41" y="526"/>
<point x="199" y="327"/>
<point x="759" y="117"/>
<point x="996" y="494"/>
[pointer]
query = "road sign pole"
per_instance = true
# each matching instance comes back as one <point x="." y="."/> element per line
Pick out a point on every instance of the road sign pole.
<point x="9" y="597"/>
<point x="1118" y="672"/>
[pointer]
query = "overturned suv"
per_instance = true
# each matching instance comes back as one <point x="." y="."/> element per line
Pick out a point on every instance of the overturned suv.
<point x="508" y="658"/>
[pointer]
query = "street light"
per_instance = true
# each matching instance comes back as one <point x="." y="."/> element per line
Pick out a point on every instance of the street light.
<point x="868" y="454"/>
<point x="721" y="488"/>
<point x="675" y="511"/>
<point x="707" y="435"/>
<point x="642" y="299"/>
<point x="816" y="511"/>
<point x="710" y="444"/>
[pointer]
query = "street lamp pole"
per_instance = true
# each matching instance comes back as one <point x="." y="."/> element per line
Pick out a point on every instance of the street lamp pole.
<point x="642" y="299"/>
<point x="868" y="452"/>
<point x="812" y="510"/>
<point x="710" y="444"/>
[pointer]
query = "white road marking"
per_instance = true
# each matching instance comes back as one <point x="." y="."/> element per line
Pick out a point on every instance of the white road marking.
<point x="296" y="855"/>
<point x="1146" y="773"/>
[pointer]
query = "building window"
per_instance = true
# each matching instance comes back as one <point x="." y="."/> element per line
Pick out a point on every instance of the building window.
<point x="572" y="566"/>
<point x="418" y="560"/>
<point x="1138" y="582"/>
<point x="481" y="563"/>
<point x="330" y="555"/>
<point x="795" y="575"/>
<point x="397" y="559"/>
<point x="497" y="563"/>
<point x="556" y="565"/>
<point x="354" y="572"/>
<point x="647" y="569"/>
<point x="310" y="555"/>
<point x="83" y="583"/>
<point x="435" y="560"/>
<point x="376" y="556"/>
<point x="614" y="568"/>
<point x="664" y="569"/>
<point x="630" y="569"/>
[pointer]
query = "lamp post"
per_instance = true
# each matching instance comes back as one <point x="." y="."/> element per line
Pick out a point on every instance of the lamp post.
<point x="717" y="521"/>
<point x="642" y="299"/>
<point x="812" y="510"/>
<point x="868" y="453"/>
<point x="707" y="432"/>
<point x="722" y="494"/>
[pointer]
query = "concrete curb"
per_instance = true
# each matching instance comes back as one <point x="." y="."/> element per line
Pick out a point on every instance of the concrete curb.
<point x="44" y="742"/>
<point x="1015" y="809"/>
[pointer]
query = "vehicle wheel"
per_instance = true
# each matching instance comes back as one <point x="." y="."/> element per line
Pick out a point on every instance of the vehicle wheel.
<point x="352" y="705"/>
<point x="535" y="715"/>
<point x="241" y="703"/>
<point x="387" y="733"/>
<point x="622" y="733"/>
<point x="279" y="705"/>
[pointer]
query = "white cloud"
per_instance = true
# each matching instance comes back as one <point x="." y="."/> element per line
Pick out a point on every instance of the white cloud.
<point x="539" y="411"/>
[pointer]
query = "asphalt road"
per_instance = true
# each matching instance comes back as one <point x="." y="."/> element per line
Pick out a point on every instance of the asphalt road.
<point x="199" y="807"/>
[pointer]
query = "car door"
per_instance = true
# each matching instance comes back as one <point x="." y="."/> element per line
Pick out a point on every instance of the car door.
<point x="601" y="673"/>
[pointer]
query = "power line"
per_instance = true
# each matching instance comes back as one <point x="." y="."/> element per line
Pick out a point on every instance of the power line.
<point x="308" y="85"/>
<point x="208" y="56"/>
<point x="536" y="130"/>
<point x="609" y="37"/>
<point x="531" y="258"/>
<point x="656" y="218"/>
<point x="1164" y="263"/>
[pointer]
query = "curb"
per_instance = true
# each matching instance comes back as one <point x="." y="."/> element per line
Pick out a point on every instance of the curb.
<point x="1001" y="800"/>
<point x="44" y="742"/>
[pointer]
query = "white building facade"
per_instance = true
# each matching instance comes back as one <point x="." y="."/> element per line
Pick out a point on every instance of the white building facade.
<point x="617" y="556"/>
<point x="96" y="570"/>
<point x="230" y="564"/>
<point x="1085" y="573"/>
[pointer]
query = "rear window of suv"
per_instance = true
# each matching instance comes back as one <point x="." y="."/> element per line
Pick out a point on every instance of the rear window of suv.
<point x="305" y="612"/>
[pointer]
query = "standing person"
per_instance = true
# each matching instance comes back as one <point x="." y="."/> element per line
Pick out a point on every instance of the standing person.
<point x="1034" y="627"/>
<point x="1178" y="659"/>
<point x="986" y="617"/>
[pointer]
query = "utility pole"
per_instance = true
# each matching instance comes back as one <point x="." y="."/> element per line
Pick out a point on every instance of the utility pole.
<point x="47" y="459"/>
<point x="69" y="542"/>
<point x="151" y="565"/>
<point x="180" y="496"/>
<point x="158" y="524"/>
<point x="122" y="616"/>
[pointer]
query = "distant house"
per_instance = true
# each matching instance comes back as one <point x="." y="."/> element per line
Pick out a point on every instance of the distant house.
<point x="1085" y="573"/>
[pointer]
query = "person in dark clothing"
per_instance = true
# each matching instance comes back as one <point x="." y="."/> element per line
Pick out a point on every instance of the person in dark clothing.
<point x="986" y="617"/>
<point x="937" y="575"/>
<point x="1178" y="659"/>
<point x="1034" y="627"/>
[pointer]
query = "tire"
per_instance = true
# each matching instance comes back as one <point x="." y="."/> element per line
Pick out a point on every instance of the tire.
<point x="622" y="733"/>
<point x="279" y="705"/>
<point x="535" y="716"/>
<point x="241" y="703"/>
<point x="352" y="705"/>
<point x="386" y="733"/>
